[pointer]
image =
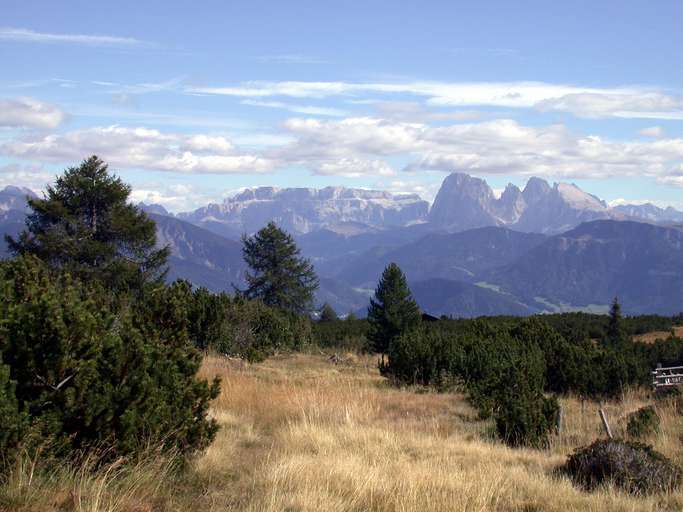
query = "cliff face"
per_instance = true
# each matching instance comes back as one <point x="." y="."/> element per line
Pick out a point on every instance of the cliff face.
<point x="303" y="210"/>
<point x="464" y="202"/>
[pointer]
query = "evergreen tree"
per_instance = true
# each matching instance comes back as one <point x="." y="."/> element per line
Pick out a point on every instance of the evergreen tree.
<point x="615" y="331"/>
<point x="328" y="314"/>
<point x="279" y="276"/>
<point x="85" y="225"/>
<point x="393" y="311"/>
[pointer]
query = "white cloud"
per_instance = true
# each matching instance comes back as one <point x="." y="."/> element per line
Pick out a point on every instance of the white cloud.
<point x="29" y="112"/>
<point x="354" y="168"/>
<point x="175" y="198"/>
<point x="426" y="191"/>
<point x="23" y="35"/>
<point x="34" y="177"/>
<point x="366" y="146"/>
<point x="500" y="146"/>
<point x="300" y="109"/>
<point x="581" y="101"/>
<point x="653" y="131"/>
<point x="140" y="147"/>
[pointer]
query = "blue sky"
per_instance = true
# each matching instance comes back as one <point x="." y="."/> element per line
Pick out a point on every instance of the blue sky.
<point x="191" y="101"/>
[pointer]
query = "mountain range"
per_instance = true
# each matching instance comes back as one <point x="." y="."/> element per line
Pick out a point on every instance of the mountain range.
<point x="543" y="248"/>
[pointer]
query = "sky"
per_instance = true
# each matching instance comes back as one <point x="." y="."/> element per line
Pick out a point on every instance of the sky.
<point x="190" y="102"/>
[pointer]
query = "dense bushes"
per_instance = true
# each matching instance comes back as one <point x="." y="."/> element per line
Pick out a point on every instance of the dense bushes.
<point x="13" y="422"/>
<point x="349" y="334"/>
<point x="244" y="328"/>
<point x="95" y="369"/>
<point x="632" y="467"/>
<point x="509" y="366"/>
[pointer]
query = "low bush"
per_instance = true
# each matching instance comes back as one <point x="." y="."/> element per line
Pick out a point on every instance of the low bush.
<point x="88" y="369"/>
<point x="12" y="421"/>
<point x="632" y="467"/>
<point x="643" y="423"/>
<point x="244" y="328"/>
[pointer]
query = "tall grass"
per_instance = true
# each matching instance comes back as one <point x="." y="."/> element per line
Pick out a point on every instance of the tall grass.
<point x="301" y="434"/>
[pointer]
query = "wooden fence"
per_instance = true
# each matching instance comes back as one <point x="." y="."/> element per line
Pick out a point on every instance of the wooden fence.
<point x="663" y="378"/>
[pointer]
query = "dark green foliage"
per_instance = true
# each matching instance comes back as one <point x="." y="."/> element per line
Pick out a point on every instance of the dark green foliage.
<point x="347" y="334"/>
<point x="86" y="226"/>
<point x="244" y="328"/>
<point x="424" y="356"/>
<point x="643" y="423"/>
<point x="523" y="415"/>
<point x="328" y="314"/>
<point x="615" y="331"/>
<point x="92" y="369"/>
<point x="206" y="315"/>
<point x="633" y="467"/>
<point x="393" y="311"/>
<point x="13" y="422"/>
<point x="279" y="276"/>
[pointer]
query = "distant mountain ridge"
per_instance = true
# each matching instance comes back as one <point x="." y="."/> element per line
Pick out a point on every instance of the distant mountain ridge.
<point x="472" y="254"/>
<point x="463" y="202"/>
<point x="303" y="210"/>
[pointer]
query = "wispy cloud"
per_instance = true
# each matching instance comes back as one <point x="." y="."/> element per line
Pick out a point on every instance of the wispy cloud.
<point x="141" y="88"/>
<point x="300" y="109"/>
<point x="590" y="102"/>
<point x="23" y="35"/>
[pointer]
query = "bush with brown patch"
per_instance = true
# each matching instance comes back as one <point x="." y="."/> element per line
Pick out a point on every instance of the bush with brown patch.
<point x="633" y="467"/>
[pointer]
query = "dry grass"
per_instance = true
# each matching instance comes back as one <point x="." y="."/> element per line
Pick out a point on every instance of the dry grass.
<point x="651" y="337"/>
<point x="301" y="434"/>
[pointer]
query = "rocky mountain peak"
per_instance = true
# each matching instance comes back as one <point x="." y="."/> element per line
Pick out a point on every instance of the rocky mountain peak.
<point x="536" y="189"/>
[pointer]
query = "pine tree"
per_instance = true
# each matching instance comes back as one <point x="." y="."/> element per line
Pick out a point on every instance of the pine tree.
<point x="328" y="314"/>
<point x="393" y="311"/>
<point x="280" y="277"/>
<point x="615" y="332"/>
<point x="85" y="225"/>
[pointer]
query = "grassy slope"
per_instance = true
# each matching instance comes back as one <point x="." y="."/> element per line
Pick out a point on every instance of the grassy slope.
<point x="302" y="434"/>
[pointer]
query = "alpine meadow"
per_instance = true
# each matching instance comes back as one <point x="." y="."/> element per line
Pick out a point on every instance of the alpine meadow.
<point x="299" y="257"/>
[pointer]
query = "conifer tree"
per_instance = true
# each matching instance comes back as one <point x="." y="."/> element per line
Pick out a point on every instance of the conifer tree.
<point x="328" y="314"/>
<point x="615" y="331"/>
<point x="393" y="311"/>
<point x="85" y="225"/>
<point x="279" y="276"/>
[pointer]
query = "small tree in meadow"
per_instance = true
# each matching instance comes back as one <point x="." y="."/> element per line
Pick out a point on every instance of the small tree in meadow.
<point x="279" y="276"/>
<point x="393" y="311"/>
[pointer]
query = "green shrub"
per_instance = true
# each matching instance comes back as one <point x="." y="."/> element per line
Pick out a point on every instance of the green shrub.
<point x="643" y="423"/>
<point x="12" y="421"/>
<point x="94" y="370"/>
<point x="423" y="356"/>
<point x="633" y="467"/>
<point x="526" y="418"/>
